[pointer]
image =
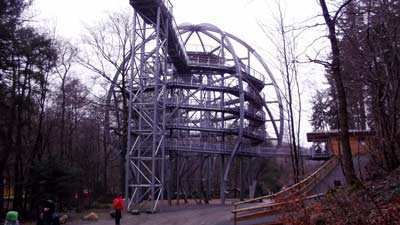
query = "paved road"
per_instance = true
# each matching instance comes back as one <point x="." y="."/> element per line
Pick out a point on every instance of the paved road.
<point x="193" y="215"/>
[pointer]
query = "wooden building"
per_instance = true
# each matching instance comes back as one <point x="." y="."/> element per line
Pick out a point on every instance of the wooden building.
<point x="360" y="140"/>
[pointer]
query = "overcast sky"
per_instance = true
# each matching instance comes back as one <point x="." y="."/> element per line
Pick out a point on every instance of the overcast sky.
<point x="229" y="15"/>
<point x="239" y="17"/>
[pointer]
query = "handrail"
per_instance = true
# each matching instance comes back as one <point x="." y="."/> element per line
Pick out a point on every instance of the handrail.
<point x="219" y="62"/>
<point x="303" y="187"/>
<point x="207" y="60"/>
<point x="326" y="167"/>
<point x="267" y="209"/>
<point x="277" y="204"/>
<point x="254" y="73"/>
<point x="180" y="41"/>
<point x="247" y="90"/>
<point x="319" y="154"/>
<point x="251" y="112"/>
<point x="218" y="147"/>
<point x="251" y="131"/>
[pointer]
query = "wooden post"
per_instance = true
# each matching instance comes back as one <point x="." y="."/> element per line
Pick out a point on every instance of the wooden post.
<point x="234" y="214"/>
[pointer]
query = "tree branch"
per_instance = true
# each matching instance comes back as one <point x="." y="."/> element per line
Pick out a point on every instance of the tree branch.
<point x="340" y="9"/>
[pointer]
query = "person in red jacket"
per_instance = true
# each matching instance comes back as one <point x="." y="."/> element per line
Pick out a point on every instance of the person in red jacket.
<point x="118" y="204"/>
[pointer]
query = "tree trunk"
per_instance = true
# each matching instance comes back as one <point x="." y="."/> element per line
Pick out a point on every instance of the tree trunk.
<point x="62" y="130"/>
<point x="349" y="172"/>
<point x="1" y="193"/>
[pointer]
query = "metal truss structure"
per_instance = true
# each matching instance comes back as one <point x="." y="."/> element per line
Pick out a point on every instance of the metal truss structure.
<point x="196" y="101"/>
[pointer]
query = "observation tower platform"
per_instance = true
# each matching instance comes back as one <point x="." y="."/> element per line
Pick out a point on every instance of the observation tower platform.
<point x="200" y="98"/>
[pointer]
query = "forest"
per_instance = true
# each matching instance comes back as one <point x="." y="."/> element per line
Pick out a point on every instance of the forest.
<point x="52" y="140"/>
<point x="64" y="139"/>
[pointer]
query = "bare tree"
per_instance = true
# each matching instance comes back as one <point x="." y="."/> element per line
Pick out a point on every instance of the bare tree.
<point x="285" y="44"/>
<point x="68" y="53"/>
<point x="337" y="76"/>
<point x="108" y="46"/>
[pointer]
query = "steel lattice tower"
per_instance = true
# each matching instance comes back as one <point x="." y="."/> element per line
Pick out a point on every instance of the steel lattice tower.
<point x="196" y="97"/>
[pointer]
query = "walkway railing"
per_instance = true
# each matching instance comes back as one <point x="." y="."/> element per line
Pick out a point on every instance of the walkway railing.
<point x="180" y="41"/>
<point x="284" y="196"/>
<point x="249" y="112"/>
<point x="215" y="61"/>
<point x="217" y="148"/>
<point x="269" y="209"/>
<point x="255" y="132"/>
<point x="249" y="92"/>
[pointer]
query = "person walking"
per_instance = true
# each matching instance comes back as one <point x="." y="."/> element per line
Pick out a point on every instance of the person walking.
<point x="11" y="218"/>
<point x="48" y="215"/>
<point x="118" y="204"/>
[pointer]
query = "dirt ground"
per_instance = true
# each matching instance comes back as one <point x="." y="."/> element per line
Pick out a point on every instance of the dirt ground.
<point x="185" y="214"/>
<point x="200" y="215"/>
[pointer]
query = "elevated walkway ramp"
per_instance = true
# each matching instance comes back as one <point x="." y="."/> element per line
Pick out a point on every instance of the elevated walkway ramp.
<point x="148" y="10"/>
<point x="336" y="177"/>
<point x="328" y="176"/>
<point x="269" y="206"/>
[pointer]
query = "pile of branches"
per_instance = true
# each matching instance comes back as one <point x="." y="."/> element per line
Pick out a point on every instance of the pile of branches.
<point x="371" y="202"/>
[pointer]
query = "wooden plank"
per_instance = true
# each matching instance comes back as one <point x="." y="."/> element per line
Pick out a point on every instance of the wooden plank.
<point x="257" y="215"/>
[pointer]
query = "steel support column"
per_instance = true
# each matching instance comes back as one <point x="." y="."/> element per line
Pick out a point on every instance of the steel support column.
<point x="222" y="182"/>
<point x="129" y="132"/>
<point x="241" y="179"/>
<point x="147" y="153"/>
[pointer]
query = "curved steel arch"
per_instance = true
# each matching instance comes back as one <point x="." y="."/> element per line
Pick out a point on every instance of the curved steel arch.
<point x="204" y="27"/>
<point x="209" y="27"/>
